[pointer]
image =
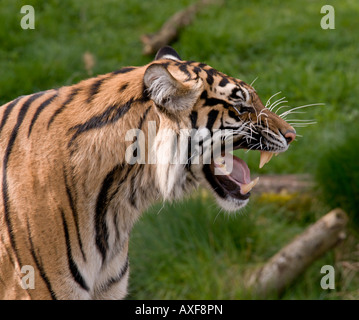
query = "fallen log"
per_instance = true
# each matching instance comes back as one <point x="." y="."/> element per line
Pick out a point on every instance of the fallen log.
<point x="171" y="28"/>
<point x="294" y="258"/>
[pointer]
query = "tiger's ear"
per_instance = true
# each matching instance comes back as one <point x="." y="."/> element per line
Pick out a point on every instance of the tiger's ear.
<point x="168" y="92"/>
<point x="167" y="52"/>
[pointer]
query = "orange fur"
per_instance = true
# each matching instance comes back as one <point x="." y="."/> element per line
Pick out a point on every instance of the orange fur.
<point x="69" y="199"/>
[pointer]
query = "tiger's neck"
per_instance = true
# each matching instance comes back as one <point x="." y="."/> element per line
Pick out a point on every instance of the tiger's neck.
<point x="110" y="191"/>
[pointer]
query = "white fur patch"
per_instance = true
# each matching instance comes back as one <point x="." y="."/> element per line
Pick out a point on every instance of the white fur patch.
<point x="168" y="148"/>
<point x="169" y="56"/>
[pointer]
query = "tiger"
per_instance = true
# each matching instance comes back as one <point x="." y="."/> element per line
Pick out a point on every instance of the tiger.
<point x="69" y="194"/>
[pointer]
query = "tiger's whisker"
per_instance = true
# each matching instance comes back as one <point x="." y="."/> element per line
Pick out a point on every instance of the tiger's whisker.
<point x="253" y="81"/>
<point x="268" y="101"/>
<point x="301" y="107"/>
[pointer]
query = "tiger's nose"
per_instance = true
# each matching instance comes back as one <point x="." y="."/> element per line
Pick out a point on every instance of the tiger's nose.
<point x="289" y="136"/>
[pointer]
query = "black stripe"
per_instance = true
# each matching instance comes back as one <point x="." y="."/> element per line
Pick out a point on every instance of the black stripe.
<point x="189" y="157"/>
<point x="223" y="82"/>
<point x="222" y="119"/>
<point x="102" y="203"/>
<point x="113" y="194"/>
<point x="95" y="86"/>
<point x="94" y="89"/>
<point x="119" y="277"/>
<point x="196" y="70"/>
<point x="123" y="70"/>
<point x="145" y="94"/>
<point x="133" y="194"/>
<point x="123" y="179"/>
<point x="8" y="110"/>
<point x="39" y="110"/>
<point x="62" y="108"/>
<point x="212" y="117"/>
<point x="8" y="151"/>
<point x="234" y="96"/>
<point x="143" y="118"/>
<point x="189" y="154"/>
<point x="110" y="115"/>
<point x="183" y="68"/>
<point x="210" y="74"/>
<point x="39" y="265"/>
<point x="241" y="83"/>
<point x="233" y="115"/>
<point x="194" y="116"/>
<point x="72" y="264"/>
<point x="132" y="188"/>
<point x="74" y="214"/>
<point x="124" y="86"/>
<point x="210" y="102"/>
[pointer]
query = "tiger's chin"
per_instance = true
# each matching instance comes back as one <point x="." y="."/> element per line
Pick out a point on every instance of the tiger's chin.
<point x="231" y="204"/>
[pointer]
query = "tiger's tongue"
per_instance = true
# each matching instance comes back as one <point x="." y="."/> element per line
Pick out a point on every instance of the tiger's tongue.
<point x="236" y="170"/>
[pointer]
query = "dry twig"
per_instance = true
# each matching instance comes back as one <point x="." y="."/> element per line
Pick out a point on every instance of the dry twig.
<point x="171" y="28"/>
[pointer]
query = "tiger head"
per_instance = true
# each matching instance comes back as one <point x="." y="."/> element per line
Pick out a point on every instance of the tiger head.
<point x="197" y="98"/>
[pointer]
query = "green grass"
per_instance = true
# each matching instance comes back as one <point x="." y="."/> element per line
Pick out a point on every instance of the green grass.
<point x="338" y="176"/>
<point x="189" y="250"/>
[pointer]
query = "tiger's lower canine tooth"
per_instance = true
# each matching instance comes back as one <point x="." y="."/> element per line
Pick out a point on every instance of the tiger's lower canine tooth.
<point x="245" y="188"/>
<point x="265" y="158"/>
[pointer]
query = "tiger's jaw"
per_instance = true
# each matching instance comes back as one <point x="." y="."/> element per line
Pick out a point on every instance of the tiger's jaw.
<point x="230" y="188"/>
<point x="229" y="177"/>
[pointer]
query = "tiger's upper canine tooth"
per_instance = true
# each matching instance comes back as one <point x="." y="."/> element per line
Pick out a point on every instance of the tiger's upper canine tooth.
<point x="265" y="158"/>
<point x="245" y="188"/>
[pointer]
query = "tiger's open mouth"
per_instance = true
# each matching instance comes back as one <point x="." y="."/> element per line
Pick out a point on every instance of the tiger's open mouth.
<point x="230" y="175"/>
